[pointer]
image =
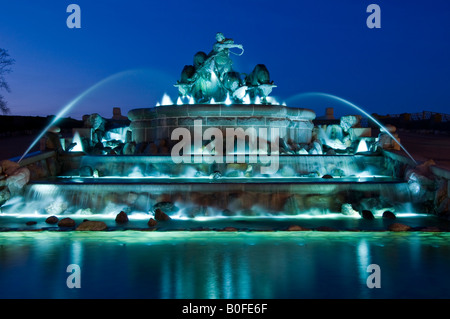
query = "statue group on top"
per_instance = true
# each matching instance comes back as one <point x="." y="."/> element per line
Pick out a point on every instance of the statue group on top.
<point x="212" y="77"/>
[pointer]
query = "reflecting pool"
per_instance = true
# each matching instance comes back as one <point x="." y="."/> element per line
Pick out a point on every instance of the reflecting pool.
<point x="260" y="264"/>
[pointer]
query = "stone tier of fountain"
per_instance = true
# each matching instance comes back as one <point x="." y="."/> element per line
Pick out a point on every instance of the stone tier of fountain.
<point x="188" y="198"/>
<point x="152" y="124"/>
<point x="140" y="184"/>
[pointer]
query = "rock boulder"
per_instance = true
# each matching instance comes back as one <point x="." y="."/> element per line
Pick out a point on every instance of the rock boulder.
<point x="398" y="227"/>
<point x="296" y="228"/>
<point x="388" y="215"/>
<point x="52" y="220"/>
<point x="91" y="225"/>
<point x="152" y="222"/>
<point x="161" y="216"/>
<point x="66" y="222"/>
<point x="367" y="214"/>
<point x="121" y="218"/>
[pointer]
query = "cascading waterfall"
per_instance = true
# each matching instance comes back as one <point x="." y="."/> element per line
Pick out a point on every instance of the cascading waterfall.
<point x="136" y="184"/>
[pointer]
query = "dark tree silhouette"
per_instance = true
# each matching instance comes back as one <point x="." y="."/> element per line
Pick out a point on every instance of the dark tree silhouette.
<point x="5" y="68"/>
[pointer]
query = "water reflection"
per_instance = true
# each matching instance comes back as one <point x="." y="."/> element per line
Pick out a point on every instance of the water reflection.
<point x="224" y="265"/>
<point x="228" y="291"/>
<point x="76" y="253"/>
<point x="363" y="259"/>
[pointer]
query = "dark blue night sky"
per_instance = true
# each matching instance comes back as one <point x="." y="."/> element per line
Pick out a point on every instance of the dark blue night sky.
<point x="308" y="46"/>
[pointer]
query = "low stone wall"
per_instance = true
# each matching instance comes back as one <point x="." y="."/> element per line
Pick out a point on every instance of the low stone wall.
<point x="41" y="165"/>
<point x="396" y="164"/>
<point x="428" y="183"/>
<point x="47" y="164"/>
<point x="15" y="176"/>
<point x="442" y="194"/>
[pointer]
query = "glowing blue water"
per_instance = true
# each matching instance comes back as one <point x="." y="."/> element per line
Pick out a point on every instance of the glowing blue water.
<point x="186" y="265"/>
<point x="319" y="94"/>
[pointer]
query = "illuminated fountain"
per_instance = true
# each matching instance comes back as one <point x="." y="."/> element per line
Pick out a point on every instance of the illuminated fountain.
<point x="222" y="156"/>
<point x="224" y="148"/>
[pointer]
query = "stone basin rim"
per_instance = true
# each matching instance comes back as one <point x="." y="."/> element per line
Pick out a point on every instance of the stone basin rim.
<point x="219" y="110"/>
